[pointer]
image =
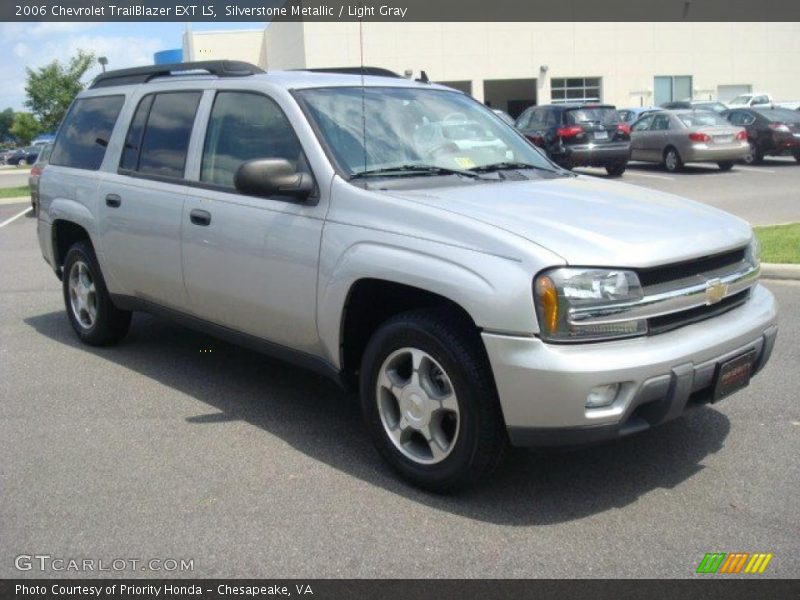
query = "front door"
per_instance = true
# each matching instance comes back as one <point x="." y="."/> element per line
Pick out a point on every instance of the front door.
<point x="250" y="264"/>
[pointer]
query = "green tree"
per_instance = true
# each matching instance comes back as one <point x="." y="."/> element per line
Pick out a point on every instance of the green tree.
<point x="25" y="127"/>
<point x="51" y="89"/>
<point x="6" y="120"/>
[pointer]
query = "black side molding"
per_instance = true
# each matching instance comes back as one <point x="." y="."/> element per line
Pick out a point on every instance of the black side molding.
<point x="289" y="355"/>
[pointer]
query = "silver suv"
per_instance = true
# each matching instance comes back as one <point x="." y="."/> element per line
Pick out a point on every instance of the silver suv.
<point x="401" y="238"/>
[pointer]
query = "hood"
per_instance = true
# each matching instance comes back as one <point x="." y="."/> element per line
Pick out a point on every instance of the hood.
<point x="595" y="222"/>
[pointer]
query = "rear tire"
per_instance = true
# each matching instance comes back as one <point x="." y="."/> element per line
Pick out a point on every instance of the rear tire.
<point x="755" y="156"/>
<point x="725" y="165"/>
<point x="93" y="316"/>
<point x="616" y="170"/>
<point x="672" y="160"/>
<point x="429" y="400"/>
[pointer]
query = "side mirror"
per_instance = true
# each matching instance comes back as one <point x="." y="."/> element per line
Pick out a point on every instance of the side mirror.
<point x="268" y="177"/>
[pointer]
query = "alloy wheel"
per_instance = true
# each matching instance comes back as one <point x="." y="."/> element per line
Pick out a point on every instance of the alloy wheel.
<point x="418" y="406"/>
<point x="82" y="294"/>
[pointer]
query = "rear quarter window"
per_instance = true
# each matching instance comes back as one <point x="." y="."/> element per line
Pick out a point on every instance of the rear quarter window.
<point x="86" y="131"/>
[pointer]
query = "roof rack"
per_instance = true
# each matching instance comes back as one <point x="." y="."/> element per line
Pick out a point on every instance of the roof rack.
<point x="220" y="68"/>
<point x="374" y="71"/>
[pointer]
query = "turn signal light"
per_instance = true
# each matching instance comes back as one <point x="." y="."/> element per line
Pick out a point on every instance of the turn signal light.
<point x="548" y="300"/>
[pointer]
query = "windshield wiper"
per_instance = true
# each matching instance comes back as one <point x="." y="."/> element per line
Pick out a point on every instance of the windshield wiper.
<point x="412" y="169"/>
<point x="509" y="166"/>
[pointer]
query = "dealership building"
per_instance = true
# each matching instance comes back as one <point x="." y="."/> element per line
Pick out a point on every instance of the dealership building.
<point x="513" y="65"/>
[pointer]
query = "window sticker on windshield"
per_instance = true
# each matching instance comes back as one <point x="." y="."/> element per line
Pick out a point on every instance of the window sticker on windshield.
<point x="465" y="162"/>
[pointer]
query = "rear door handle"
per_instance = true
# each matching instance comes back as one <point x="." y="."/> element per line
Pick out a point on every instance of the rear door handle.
<point x="113" y="200"/>
<point x="200" y="217"/>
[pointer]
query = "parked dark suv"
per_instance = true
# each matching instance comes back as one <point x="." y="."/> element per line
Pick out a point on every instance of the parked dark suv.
<point x="579" y="135"/>
<point x="771" y="131"/>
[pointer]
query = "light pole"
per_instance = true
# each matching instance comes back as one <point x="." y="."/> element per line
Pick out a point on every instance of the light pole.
<point x="103" y="62"/>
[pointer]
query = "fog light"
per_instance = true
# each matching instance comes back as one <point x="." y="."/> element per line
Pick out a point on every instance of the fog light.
<point x="602" y="395"/>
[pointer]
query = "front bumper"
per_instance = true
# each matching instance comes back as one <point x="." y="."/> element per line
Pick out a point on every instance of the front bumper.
<point x="596" y="155"/>
<point x="543" y="387"/>
<point x="711" y="153"/>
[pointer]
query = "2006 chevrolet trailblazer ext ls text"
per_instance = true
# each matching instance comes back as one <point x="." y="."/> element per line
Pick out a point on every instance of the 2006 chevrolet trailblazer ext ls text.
<point x="403" y="239"/>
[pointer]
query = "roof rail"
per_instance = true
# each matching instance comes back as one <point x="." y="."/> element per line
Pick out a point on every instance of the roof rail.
<point x="374" y="71"/>
<point x="220" y="68"/>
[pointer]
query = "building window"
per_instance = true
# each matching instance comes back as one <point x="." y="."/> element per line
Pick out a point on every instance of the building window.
<point x="671" y="88"/>
<point x="575" y="89"/>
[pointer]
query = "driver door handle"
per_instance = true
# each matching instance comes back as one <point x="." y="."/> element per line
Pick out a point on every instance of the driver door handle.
<point x="113" y="200"/>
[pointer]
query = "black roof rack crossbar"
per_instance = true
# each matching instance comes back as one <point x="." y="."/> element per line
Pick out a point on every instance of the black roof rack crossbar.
<point x="220" y="68"/>
<point x="374" y="71"/>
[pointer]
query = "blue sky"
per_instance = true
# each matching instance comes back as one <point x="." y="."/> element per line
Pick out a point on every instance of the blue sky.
<point x="124" y="44"/>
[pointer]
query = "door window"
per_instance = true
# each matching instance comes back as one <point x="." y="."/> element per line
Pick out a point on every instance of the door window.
<point x="158" y="138"/>
<point x="643" y="124"/>
<point x="246" y="126"/>
<point x="660" y="123"/>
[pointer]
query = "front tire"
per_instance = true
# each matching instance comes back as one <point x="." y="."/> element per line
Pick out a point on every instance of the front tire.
<point x="429" y="400"/>
<point x="672" y="160"/>
<point x="725" y="165"/>
<point x="93" y="316"/>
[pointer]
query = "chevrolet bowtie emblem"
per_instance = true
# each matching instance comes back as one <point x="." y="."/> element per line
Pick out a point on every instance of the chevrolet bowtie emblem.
<point x="715" y="291"/>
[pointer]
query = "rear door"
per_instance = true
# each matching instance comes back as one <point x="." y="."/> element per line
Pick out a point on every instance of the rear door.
<point x="639" y="132"/>
<point x="658" y="137"/>
<point x="141" y="204"/>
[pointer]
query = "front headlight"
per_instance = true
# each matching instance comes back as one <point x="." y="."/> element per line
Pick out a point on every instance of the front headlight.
<point x="753" y="253"/>
<point x="560" y="294"/>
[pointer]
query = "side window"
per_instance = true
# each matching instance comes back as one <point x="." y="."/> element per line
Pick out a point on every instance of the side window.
<point x="760" y="100"/>
<point x="747" y="119"/>
<point x="158" y="138"/>
<point x="660" y="123"/>
<point x="246" y="126"/>
<point x="550" y="118"/>
<point x="86" y="131"/>
<point x="642" y="124"/>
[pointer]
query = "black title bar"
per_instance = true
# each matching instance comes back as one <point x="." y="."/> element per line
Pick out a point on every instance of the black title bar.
<point x="400" y="10"/>
<point x="396" y="589"/>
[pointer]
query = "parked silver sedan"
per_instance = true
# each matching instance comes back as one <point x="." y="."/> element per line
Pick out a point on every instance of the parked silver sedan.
<point x="675" y="137"/>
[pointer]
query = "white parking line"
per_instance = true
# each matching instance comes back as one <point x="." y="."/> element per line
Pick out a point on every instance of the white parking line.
<point x="753" y="169"/>
<point x="637" y="174"/>
<point x="15" y="217"/>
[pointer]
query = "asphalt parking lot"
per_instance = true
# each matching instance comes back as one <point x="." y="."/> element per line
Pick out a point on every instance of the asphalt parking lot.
<point x="176" y="445"/>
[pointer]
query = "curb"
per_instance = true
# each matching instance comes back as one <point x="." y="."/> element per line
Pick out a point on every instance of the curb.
<point x="780" y="271"/>
<point x="18" y="200"/>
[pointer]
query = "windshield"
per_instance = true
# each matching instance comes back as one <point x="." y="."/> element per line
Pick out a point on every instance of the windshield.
<point x="703" y="118"/>
<point x="742" y="99"/>
<point x="410" y="126"/>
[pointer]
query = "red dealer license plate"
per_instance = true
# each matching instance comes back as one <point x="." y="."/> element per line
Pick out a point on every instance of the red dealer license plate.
<point x="734" y="374"/>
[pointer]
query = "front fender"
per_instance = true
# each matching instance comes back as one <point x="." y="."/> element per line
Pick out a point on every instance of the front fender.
<point x="495" y="291"/>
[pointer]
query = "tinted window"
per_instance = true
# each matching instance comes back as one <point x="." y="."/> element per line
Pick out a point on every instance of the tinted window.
<point x="779" y="114"/>
<point x="245" y="126"/>
<point x="85" y="132"/>
<point x="166" y="136"/>
<point x="133" y="141"/>
<point x="593" y="115"/>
